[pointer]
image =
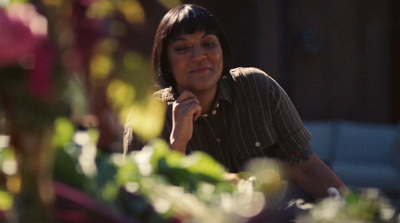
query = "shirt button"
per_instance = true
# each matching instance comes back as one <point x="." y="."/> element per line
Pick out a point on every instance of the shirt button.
<point x="217" y="105"/>
<point x="257" y="144"/>
<point x="218" y="140"/>
<point x="214" y="112"/>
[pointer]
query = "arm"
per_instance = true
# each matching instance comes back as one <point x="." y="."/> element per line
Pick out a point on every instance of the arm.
<point x="314" y="176"/>
<point x="185" y="110"/>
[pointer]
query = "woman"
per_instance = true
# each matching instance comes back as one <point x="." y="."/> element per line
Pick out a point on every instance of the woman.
<point x="233" y="114"/>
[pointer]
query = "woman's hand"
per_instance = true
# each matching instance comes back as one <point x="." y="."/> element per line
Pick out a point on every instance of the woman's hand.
<point x="185" y="110"/>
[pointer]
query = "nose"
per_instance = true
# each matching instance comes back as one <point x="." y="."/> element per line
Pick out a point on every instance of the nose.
<point x="198" y="53"/>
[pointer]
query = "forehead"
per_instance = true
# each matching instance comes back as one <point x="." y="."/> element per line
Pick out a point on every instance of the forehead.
<point x="184" y="27"/>
<point x="196" y="35"/>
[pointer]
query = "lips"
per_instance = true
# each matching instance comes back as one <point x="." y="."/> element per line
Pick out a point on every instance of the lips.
<point x="200" y="70"/>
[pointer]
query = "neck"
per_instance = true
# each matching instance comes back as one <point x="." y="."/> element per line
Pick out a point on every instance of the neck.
<point x="206" y="100"/>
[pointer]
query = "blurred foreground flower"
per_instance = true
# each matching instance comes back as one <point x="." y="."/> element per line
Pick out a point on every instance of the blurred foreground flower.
<point x="23" y="30"/>
<point x="40" y="83"/>
<point x="27" y="62"/>
<point x="30" y="101"/>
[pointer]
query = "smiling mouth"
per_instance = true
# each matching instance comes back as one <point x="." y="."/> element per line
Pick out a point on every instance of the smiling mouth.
<point x="200" y="70"/>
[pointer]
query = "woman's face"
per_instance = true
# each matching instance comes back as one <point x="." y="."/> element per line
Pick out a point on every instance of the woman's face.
<point x="196" y="61"/>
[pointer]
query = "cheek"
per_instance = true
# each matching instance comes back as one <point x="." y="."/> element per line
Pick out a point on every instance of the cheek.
<point x="175" y="63"/>
<point x="219" y="59"/>
<point x="177" y="67"/>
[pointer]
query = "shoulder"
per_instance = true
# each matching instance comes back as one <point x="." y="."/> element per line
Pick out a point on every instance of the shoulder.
<point x="244" y="71"/>
<point x="164" y="95"/>
<point x="251" y="79"/>
<point x="251" y="75"/>
<point x="241" y="73"/>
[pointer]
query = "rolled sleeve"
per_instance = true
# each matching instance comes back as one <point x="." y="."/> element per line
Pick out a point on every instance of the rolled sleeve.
<point x="293" y="136"/>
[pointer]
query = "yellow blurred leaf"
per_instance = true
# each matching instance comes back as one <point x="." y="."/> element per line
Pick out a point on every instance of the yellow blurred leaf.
<point x="134" y="61"/>
<point x="107" y="46"/>
<point x="137" y="71"/>
<point x="170" y="3"/>
<point x="53" y="2"/>
<point x="100" y="9"/>
<point x="100" y="66"/>
<point x="120" y="94"/>
<point x="133" y="12"/>
<point x="123" y="114"/>
<point x="147" y="118"/>
<point x="6" y="200"/>
<point x="268" y="173"/>
<point x="13" y="183"/>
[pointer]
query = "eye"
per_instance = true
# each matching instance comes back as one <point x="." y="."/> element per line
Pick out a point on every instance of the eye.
<point x="209" y="44"/>
<point x="181" y="49"/>
<point x="210" y="41"/>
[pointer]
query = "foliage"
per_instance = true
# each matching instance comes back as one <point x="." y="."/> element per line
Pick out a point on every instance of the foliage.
<point x="160" y="185"/>
<point x="58" y="58"/>
<point x="157" y="184"/>
<point x="358" y="205"/>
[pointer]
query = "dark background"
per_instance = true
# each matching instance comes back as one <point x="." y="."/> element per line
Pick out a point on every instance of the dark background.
<point x="337" y="59"/>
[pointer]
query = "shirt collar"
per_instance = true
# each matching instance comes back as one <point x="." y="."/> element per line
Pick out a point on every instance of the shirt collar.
<point x="224" y="92"/>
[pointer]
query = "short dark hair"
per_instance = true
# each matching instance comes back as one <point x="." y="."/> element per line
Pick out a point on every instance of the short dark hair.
<point x="185" y="19"/>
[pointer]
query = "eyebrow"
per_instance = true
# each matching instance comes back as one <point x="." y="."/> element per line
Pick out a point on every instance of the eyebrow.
<point x="178" y="38"/>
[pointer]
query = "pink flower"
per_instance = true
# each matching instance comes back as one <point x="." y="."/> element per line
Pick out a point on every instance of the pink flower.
<point x="40" y="81"/>
<point x="22" y="29"/>
<point x="23" y="42"/>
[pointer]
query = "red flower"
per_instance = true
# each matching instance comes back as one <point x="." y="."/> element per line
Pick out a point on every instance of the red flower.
<point x="22" y="29"/>
<point x="40" y="81"/>
<point x="23" y="42"/>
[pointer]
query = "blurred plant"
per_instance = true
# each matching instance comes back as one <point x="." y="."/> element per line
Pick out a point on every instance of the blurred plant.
<point x="359" y="205"/>
<point x="56" y="60"/>
<point x="157" y="184"/>
<point x="31" y="86"/>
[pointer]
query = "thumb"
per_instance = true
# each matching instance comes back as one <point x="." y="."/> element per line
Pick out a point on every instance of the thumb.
<point x="197" y="114"/>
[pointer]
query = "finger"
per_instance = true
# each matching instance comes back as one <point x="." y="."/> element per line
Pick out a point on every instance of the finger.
<point x="186" y="95"/>
<point x="188" y="109"/>
<point x="186" y="102"/>
<point x="197" y="114"/>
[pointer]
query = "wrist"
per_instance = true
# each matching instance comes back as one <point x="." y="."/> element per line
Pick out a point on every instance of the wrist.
<point x="178" y="146"/>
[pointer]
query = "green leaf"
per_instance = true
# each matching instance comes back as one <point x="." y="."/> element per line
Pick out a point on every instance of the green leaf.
<point x="64" y="131"/>
<point x="127" y="173"/>
<point x="161" y="150"/>
<point x="202" y="163"/>
<point x="65" y="169"/>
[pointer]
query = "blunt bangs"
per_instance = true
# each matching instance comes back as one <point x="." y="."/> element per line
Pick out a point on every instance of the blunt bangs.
<point x="190" y="20"/>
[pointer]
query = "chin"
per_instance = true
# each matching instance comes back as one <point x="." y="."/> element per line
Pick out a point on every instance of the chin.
<point x="202" y="88"/>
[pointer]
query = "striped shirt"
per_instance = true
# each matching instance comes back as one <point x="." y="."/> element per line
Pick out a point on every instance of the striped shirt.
<point x="251" y="117"/>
